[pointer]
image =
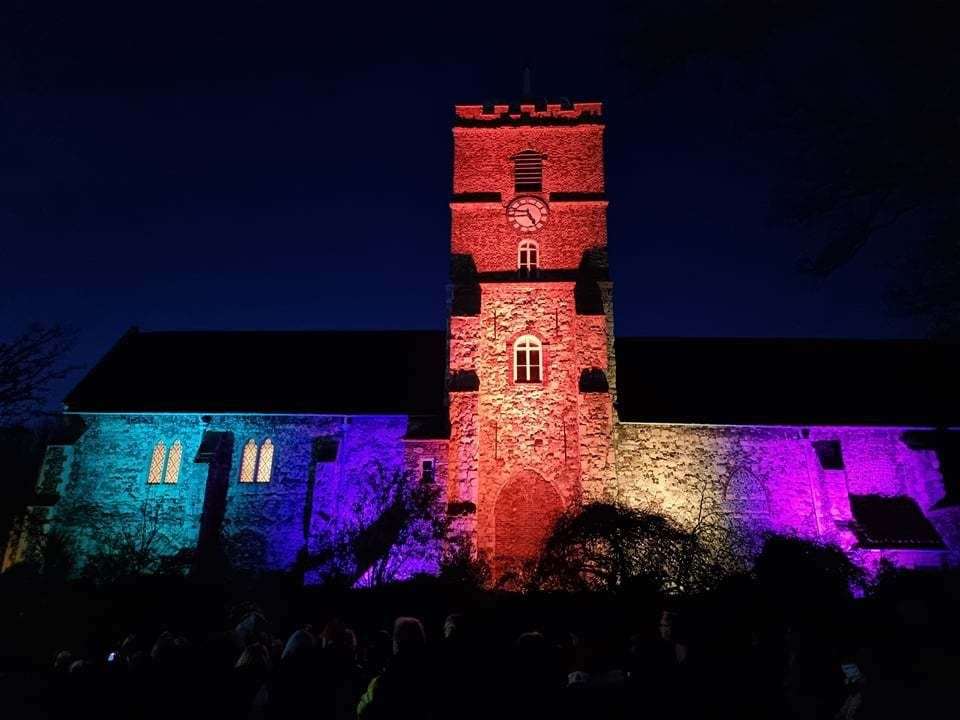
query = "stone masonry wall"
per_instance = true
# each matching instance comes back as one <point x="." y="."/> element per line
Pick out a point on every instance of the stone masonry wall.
<point x="769" y="479"/>
<point x="595" y="412"/>
<point x="463" y="454"/>
<point x="107" y="489"/>
<point x="571" y="228"/>
<point x="526" y="426"/>
<point x="264" y="523"/>
<point x="574" y="157"/>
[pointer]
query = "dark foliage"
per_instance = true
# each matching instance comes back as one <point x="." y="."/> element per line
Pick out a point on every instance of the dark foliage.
<point x="803" y="579"/>
<point x="462" y="567"/>
<point x="396" y="519"/>
<point x="128" y="553"/>
<point x="611" y="547"/>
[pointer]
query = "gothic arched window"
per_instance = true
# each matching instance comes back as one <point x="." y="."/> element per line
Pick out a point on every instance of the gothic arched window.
<point x="528" y="171"/>
<point x="744" y="494"/>
<point x="160" y="459"/>
<point x="256" y="464"/>
<point x="248" y="461"/>
<point x="528" y="257"/>
<point x="527" y="360"/>
<point x="173" y="463"/>
<point x="265" y="464"/>
<point x="156" y="463"/>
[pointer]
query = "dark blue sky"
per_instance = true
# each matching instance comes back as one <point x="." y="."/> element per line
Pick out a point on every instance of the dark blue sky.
<point x="246" y="167"/>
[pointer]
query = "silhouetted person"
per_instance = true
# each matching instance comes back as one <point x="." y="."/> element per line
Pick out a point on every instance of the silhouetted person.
<point x="291" y="688"/>
<point x="595" y="680"/>
<point x="338" y="679"/>
<point x="661" y="668"/>
<point x="250" y="673"/>
<point x="460" y="672"/>
<point x="534" y="678"/>
<point x="814" y="684"/>
<point x="405" y="689"/>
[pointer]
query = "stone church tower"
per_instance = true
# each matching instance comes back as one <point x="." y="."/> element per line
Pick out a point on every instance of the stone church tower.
<point x="531" y="364"/>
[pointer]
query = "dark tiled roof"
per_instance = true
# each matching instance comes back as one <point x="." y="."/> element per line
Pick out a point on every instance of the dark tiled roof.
<point x="282" y="372"/>
<point x="791" y="382"/>
<point x="892" y="523"/>
<point x="804" y="382"/>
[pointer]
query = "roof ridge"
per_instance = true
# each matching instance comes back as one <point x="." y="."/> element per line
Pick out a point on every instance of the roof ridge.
<point x="784" y="339"/>
<point x="274" y="331"/>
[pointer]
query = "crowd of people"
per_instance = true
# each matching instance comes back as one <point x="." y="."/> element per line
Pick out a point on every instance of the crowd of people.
<point x="672" y="666"/>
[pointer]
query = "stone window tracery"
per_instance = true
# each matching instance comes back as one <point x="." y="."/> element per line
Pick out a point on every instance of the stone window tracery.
<point x="745" y="495"/>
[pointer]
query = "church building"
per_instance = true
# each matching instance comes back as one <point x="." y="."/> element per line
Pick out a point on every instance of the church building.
<point x="263" y="446"/>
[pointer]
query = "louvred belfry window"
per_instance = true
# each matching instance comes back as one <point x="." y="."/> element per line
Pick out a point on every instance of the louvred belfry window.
<point x="527" y="360"/>
<point x="528" y="171"/>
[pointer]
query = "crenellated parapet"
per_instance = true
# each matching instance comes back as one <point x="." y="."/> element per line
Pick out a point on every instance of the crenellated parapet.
<point x="528" y="113"/>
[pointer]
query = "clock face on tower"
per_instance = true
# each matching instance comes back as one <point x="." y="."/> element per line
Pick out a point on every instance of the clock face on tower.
<point x="527" y="213"/>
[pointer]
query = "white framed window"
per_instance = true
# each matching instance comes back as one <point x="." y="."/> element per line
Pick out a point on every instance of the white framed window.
<point x="256" y="463"/>
<point x="527" y="360"/>
<point x="528" y="257"/>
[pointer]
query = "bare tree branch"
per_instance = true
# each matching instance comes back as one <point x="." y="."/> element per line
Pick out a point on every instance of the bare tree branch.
<point x="29" y="365"/>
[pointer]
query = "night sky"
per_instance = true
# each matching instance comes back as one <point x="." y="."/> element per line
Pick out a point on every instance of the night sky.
<point x="245" y="167"/>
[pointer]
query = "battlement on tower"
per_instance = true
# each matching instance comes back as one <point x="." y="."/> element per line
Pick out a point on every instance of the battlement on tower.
<point x="528" y="113"/>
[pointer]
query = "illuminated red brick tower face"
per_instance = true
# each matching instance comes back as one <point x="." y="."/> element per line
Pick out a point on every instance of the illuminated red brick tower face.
<point x="531" y="323"/>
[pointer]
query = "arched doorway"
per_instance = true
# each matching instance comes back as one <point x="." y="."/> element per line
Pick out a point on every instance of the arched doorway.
<point x="525" y="512"/>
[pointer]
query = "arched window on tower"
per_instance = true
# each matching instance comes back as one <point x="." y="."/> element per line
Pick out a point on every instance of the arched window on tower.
<point x="528" y="171"/>
<point x="527" y="360"/>
<point x="528" y="258"/>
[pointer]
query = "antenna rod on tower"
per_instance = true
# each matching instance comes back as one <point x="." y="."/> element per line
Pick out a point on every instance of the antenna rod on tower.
<point x="527" y="91"/>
